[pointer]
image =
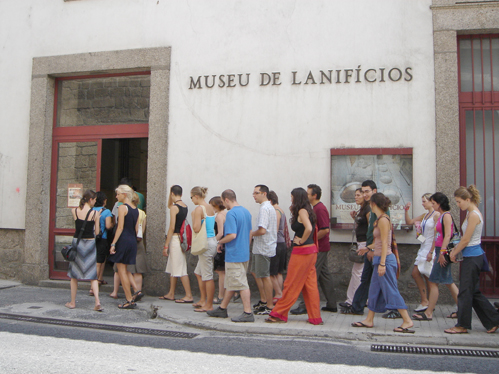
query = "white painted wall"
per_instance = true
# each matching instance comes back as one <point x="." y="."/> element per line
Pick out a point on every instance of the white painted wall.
<point x="238" y="137"/>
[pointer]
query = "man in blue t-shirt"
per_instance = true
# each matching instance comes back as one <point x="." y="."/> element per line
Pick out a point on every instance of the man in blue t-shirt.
<point x="237" y="229"/>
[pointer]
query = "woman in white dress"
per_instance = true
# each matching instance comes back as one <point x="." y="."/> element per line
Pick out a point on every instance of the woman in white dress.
<point x="425" y="233"/>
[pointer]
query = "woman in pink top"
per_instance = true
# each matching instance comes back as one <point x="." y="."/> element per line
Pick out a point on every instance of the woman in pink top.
<point x="441" y="273"/>
<point x="384" y="293"/>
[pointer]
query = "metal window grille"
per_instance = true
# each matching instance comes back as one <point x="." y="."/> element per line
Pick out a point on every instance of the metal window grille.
<point x="478" y="60"/>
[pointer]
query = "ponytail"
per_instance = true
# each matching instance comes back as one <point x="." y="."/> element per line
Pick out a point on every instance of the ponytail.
<point x="89" y="194"/>
<point x="471" y="193"/>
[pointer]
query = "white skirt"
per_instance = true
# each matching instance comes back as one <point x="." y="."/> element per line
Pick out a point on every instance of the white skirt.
<point x="177" y="261"/>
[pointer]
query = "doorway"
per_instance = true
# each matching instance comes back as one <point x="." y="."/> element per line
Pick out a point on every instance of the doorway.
<point x="98" y="165"/>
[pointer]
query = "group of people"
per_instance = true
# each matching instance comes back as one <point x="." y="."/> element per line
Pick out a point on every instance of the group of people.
<point x="375" y="280"/>
<point x="117" y="236"/>
<point x="232" y="243"/>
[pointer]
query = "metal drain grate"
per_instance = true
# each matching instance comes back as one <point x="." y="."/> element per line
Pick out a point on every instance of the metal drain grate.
<point x="99" y="326"/>
<point x="434" y="351"/>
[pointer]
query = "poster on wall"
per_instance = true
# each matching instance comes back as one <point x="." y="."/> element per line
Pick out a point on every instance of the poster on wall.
<point x="390" y="169"/>
<point x="75" y="193"/>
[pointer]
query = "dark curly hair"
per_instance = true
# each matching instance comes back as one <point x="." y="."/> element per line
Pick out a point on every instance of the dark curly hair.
<point x="442" y="200"/>
<point x="381" y="201"/>
<point x="300" y="201"/>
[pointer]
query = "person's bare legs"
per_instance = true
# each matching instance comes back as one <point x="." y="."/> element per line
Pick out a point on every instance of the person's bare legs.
<point x="268" y="288"/>
<point x="420" y="282"/>
<point x="125" y="281"/>
<point x="116" y="285"/>
<point x="100" y="271"/>
<point x="276" y="286"/>
<point x="74" y="289"/>
<point x="407" y="320"/>
<point x="187" y="287"/>
<point x="138" y="280"/>
<point x="171" y="293"/>
<point x="131" y="279"/>
<point x="227" y="297"/>
<point x="202" y="291"/>
<point x="432" y="300"/>
<point x="369" y="321"/>
<point x="454" y="291"/>
<point x="94" y="285"/>
<point x="261" y="289"/>
<point x="246" y="298"/>
<point x="221" y="284"/>
<point x="210" y="293"/>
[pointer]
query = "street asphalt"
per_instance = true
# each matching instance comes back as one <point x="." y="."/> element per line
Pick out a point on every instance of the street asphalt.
<point x="48" y="302"/>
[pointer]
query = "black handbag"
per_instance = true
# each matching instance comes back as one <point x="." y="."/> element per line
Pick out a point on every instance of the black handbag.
<point x="69" y="252"/>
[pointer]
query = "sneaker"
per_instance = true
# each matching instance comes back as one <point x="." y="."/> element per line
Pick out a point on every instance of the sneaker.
<point x="219" y="313"/>
<point x="263" y="311"/>
<point x="328" y="309"/>
<point x="299" y="310"/>
<point x="244" y="317"/>
<point x="345" y="305"/>
<point x="421" y="308"/>
<point x="349" y="310"/>
<point x="392" y="314"/>
<point x="259" y="304"/>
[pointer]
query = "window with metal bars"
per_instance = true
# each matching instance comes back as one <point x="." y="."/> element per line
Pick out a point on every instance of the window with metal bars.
<point x="478" y="61"/>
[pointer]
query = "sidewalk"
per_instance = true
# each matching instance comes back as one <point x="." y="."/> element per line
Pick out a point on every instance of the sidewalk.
<point x="48" y="302"/>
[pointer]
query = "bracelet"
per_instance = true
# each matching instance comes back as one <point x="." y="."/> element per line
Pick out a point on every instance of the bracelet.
<point x="165" y="247"/>
<point x="382" y="264"/>
<point x="113" y="245"/>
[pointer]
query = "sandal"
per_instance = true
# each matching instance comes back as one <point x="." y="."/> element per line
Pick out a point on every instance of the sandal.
<point x="274" y="320"/>
<point x="492" y="330"/>
<point x="98" y="308"/>
<point x="217" y="301"/>
<point x="452" y="315"/>
<point x="360" y="324"/>
<point x="137" y="296"/>
<point x="128" y="305"/>
<point x="102" y="282"/>
<point x="166" y="298"/>
<point x="421" y="317"/>
<point x="403" y="330"/>
<point x="454" y="331"/>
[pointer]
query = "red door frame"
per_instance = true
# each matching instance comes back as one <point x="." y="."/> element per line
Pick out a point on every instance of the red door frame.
<point x="478" y="100"/>
<point x="82" y="134"/>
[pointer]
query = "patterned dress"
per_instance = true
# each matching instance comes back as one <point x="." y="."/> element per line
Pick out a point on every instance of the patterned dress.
<point x="84" y="267"/>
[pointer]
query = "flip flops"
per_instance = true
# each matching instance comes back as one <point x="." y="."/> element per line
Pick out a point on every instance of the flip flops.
<point x="452" y="315"/>
<point x="403" y="330"/>
<point x="452" y="331"/>
<point x="360" y="324"/>
<point x="421" y="317"/>
<point x="98" y="308"/>
<point x="165" y="298"/>
<point x="274" y="320"/>
<point x="183" y="301"/>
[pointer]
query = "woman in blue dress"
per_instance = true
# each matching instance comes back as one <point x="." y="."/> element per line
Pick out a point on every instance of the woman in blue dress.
<point x="124" y="246"/>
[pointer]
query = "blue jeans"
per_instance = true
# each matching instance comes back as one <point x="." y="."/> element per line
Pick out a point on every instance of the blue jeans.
<point x="362" y="293"/>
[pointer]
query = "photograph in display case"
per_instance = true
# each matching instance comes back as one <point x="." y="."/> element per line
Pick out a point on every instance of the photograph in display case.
<point x="389" y="168"/>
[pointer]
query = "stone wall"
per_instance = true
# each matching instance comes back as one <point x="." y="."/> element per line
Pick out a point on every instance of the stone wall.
<point x="98" y="101"/>
<point x="11" y="245"/>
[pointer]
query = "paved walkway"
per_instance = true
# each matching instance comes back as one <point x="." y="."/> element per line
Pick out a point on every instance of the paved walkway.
<point x="49" y="302"/>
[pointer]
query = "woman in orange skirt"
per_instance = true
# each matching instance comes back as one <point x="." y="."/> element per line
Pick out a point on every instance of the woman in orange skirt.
<point x="301" y="275"/>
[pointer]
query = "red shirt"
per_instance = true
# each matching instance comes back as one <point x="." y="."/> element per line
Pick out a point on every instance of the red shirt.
<point x="322" y="223"/>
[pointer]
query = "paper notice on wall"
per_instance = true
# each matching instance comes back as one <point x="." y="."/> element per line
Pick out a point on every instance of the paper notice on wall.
<point x="75" y="193"/>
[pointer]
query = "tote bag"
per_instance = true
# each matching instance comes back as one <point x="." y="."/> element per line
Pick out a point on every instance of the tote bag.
<point x="200" y="239"/>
